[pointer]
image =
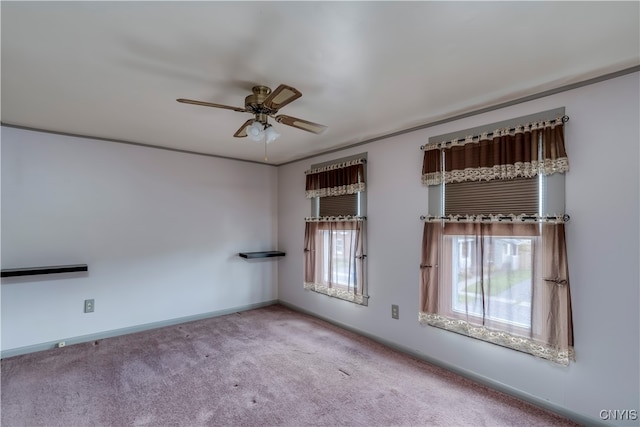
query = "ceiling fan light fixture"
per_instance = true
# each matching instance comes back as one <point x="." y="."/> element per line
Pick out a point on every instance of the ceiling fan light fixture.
<point x="271" y="133"/>
<point x="262" y="104"/>
<point x="255" y="131"/>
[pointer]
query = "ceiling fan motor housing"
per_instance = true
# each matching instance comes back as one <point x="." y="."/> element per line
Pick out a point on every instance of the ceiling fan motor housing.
<point x="255" y="103"/>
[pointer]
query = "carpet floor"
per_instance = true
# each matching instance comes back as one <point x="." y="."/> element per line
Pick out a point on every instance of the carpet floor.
<point x="266" y="367"/>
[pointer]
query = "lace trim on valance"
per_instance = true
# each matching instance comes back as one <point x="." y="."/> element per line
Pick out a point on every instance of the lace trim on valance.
<point x="432" y="178"/>
<point x="510" y="171"/>
<point x="335" y="166"/>
<point x="336" y="293"/>
<point x="346" y="218"/>
<point x="551" y="219"/>
<point x="470" y="139"/>
<point x="559" y="165"/>
<point x="526" y="345"/>
<point x="336" y="191"/>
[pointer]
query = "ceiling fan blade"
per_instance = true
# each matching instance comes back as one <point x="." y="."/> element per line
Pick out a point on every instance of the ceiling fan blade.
<point x="242" y="132"/>
<point x="210" y="104"/>
<point x="281" y="96"/>
<point x="300" y="124"/>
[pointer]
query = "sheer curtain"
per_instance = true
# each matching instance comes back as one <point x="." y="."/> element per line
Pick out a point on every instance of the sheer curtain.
<point x="334" y="257"/>
<point x="499" y="276"/>
<point x="502" y="281"/>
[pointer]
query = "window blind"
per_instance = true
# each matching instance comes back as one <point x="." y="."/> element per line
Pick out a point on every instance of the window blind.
<point x="339" y="205"/>
<point x="517" y="196"/>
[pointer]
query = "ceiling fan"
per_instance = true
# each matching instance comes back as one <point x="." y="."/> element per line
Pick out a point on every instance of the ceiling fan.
<point x="264" y="103"/>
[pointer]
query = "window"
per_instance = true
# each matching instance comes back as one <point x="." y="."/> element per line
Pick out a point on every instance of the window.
<point x="335" y="233"/>
<point x="493" y="254"/>
<point x="490" y="283"/>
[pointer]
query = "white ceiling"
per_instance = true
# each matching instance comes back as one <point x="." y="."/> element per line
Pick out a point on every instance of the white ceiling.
<point x="366" y="69"/>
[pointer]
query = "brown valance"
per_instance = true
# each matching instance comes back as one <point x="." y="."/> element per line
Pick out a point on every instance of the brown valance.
<point x="525" y="151"/>
<point x="336" y="180"/>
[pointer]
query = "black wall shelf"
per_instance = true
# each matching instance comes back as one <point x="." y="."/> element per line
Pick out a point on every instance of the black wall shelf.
<point x="263" y="254"/>
<point x="54" y="269"/>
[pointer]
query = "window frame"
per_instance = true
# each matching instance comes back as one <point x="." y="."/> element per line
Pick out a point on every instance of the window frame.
<point x="540" y="338"/>
<point x="360" y="213"/>
<point x="447" y="298"/>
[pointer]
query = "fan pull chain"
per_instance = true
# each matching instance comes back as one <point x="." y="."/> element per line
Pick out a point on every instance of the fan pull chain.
<point x="266" y="159"/>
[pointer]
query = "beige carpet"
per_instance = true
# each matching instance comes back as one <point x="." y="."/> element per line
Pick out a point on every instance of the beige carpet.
<point x="265" y="367"/>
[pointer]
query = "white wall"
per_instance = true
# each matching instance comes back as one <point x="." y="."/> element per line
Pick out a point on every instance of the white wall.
<point x="159" y="230"/>
<point x="603" y="243"/>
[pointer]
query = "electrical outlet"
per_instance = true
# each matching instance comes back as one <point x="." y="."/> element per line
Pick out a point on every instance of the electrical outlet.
<point x="89" y="305"/>
<point x="395" y="311"/>
<point x="61" y="344"/>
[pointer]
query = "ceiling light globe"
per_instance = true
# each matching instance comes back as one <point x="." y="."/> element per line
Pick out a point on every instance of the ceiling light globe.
<point x="272" y="134"/>
<point x="255" y="132"/>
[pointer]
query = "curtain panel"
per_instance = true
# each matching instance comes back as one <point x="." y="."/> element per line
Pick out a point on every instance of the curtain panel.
<point x="334" y="257"/>
<point x="525" y="151"/>
<point x="465" y="284"/>
<point x="335" y="180"/>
